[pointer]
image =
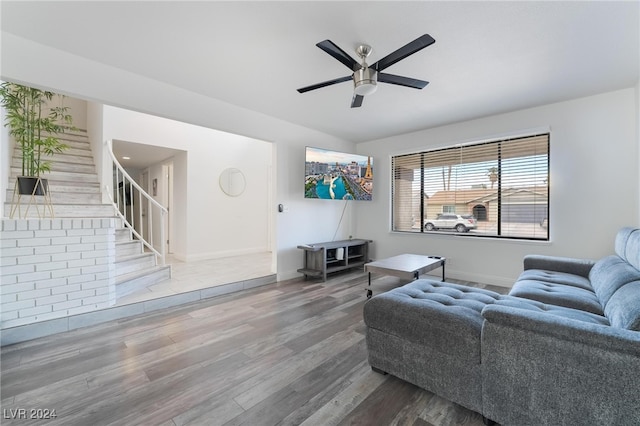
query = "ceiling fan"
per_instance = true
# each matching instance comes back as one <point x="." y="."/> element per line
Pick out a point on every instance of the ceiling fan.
<point x="365" y="77"/>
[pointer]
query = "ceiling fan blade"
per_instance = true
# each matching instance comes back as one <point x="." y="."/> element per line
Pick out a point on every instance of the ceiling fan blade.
<point x="406" y="50"/>
<point x="325" y="84"/>
<point x="332" y="49"/>
<point x="401" y="81"/>
<point x="356" y="102"/>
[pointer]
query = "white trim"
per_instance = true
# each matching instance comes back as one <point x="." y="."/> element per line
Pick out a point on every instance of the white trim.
<point x="477" y="140"/>
<point x="224" y="253"/>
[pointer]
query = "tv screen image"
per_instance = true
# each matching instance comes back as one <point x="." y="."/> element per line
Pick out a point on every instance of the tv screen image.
<point x="333" y="175"/>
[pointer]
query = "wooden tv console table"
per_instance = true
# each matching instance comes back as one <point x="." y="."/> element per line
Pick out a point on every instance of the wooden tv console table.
<point x="321" y="259"/>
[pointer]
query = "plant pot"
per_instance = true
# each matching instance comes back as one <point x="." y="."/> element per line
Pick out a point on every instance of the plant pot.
<point x="28" y="185"/>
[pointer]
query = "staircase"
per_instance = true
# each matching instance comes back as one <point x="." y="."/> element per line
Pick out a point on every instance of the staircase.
<point x="75" y="193"/>
<point x="73" y="182"/>
<point x="135" y="268"/>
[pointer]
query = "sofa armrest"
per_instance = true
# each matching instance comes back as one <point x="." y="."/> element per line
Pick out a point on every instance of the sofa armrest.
<point x="568" y="265"/>
<point x="544" y="369"/>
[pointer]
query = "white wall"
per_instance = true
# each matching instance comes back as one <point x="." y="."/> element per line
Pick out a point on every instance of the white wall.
<point x="76" y="107"/>
<point x="216" y="225"/>
<point x="594" y="188"/>
<point x="55" y="268"/>
<point x="94" y="132"/>
<point x="6" y="152"/>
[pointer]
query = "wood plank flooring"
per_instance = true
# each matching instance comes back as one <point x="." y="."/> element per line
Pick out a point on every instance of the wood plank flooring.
<point x="291" y="353"/>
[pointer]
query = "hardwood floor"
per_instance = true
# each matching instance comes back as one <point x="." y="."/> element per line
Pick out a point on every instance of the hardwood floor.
<point x="291" y="353"/>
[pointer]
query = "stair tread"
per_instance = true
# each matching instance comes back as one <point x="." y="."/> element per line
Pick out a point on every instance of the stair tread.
<point x="141" y="273"/>
<point x="69" y="135"/>
<point x="128" y="257"/>
<point x="57" y="203"/>
<point x="57" y="174"/>
<point x="64" y="155"/>
<point x="63" y="211"/>
<point x="60" y="181"/>
<point x="128" y="242"/>
<point x="70" y="197"/>
<point x="82" y="169"/>
<point x="78" y="148"/>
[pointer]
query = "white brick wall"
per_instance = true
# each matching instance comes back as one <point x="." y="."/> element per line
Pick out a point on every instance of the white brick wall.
<point x="54" y="268"/>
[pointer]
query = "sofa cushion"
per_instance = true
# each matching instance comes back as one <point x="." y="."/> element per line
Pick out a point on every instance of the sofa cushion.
<point x="568" y="296"/>
<point x="609" y="274"/>
<point x="556" y="278"/>
<point x="623" y="308"/>
<point x="627" y="246"/>
<point x="558" y="311"/>
<point x="442" y="315"/>
<point x="448" y="294"/>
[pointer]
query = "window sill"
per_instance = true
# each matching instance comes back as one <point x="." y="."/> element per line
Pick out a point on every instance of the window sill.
<point x="477" y="238"/>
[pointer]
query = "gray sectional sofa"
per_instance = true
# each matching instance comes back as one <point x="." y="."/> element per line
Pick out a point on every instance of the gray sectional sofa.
<point x="562" y="348"/>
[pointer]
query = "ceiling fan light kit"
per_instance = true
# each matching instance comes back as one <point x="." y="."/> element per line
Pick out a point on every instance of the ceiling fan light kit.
<point x="365" y="78"/>
<point x="364" y="81"/>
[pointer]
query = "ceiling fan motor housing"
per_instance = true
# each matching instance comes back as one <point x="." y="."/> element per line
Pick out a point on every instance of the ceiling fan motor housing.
<point x="365" y="81"/>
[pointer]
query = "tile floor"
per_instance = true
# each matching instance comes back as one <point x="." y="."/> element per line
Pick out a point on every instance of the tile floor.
<point x="198" y="275"/>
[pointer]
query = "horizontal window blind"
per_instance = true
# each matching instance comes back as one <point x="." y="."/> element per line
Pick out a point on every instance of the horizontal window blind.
<point x="498" y="189"/>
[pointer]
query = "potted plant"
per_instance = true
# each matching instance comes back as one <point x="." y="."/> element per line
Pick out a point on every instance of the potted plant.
<point x="34" y="125"/>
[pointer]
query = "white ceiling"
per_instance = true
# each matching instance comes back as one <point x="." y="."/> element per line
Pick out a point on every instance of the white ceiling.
<point x="140" y="156"/>
<point x="489" y="57"/>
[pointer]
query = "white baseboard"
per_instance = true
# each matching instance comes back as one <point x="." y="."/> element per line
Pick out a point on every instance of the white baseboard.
<point x="223" y="253"/>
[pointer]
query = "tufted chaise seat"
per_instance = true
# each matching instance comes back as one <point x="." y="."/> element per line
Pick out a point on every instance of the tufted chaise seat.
<point x="427" y="323"/>
<point x="562" y="348"/>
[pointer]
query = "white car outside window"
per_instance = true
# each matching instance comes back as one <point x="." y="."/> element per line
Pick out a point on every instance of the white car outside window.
<point x="461" y="223"/>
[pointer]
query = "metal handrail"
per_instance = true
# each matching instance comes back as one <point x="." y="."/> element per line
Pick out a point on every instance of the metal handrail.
<point x="126" y="211"/>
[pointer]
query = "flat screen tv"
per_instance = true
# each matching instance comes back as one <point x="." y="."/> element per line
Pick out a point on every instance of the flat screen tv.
<point x="333" y="175"/>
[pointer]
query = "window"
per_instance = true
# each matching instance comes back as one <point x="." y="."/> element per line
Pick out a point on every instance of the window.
<point x="498" y="189"/>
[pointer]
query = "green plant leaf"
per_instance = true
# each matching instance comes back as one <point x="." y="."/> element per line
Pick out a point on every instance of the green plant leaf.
<point x="28" y="117"/>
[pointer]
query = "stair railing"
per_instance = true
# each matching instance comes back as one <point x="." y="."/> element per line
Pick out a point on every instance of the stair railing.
<point x="124" y="202"/>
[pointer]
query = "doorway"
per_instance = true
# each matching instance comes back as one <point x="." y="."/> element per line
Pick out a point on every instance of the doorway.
<point x="480" y="213"/>
<point x="167" y="202"/>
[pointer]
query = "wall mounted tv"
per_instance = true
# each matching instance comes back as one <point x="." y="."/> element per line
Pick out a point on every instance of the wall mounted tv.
<point x="333" y="175"/>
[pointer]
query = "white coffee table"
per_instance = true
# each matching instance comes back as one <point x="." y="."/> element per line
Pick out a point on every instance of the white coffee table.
<point x="407" y="266"/>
